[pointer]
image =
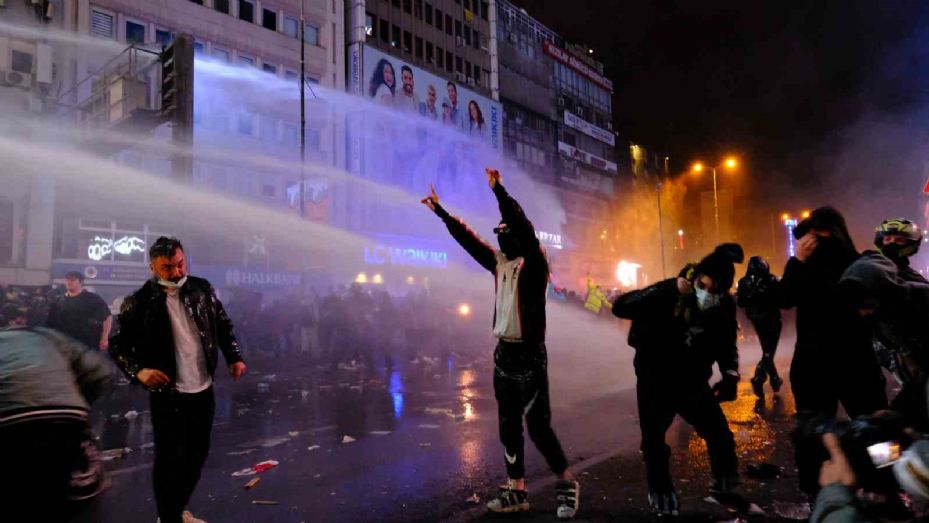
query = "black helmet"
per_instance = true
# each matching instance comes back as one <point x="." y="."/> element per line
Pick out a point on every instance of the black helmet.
<point x="898" y="227"/>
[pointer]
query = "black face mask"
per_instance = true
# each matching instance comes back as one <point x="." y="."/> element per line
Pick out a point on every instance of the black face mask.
<point x="509" y="245"/>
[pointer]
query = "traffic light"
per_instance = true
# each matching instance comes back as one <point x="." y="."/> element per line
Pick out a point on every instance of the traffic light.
<point x="169" y="87"/>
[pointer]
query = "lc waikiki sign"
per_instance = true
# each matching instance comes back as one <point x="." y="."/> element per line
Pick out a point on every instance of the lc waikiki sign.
<point x="380" y="254"/>
<point x="577" y="64"/>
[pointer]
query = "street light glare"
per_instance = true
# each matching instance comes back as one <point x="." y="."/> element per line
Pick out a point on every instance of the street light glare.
<point x="697" y="168"/>
<point x="731" y="163"/>
<point x="805" y="214"/>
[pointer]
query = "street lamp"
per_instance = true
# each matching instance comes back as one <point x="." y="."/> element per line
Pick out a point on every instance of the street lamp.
<point x="729" y="163"/>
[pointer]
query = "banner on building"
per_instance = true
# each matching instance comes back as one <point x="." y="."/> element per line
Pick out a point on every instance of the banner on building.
<point x="582" y="125"/>
<point x="577" y="64"/>
<point x="582" y="156"/>
<point x="411" y="90"/>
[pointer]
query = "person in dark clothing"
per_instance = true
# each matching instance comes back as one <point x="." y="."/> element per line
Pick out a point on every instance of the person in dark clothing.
<point x="81" y="314"/>
<point x="169" y="338"/>
<point x="47" y="383"/>
<point x="894" y="298"/>
<point x="680" y="328"/>
<point x="833" y="359"/>
<point x="757" y="295"/>
<point x="521" y="271"/>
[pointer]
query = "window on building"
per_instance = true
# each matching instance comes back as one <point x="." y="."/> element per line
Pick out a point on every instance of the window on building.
<point x="246" y="60"/>
<point x="22" y="62"/>
<point x="428" y="14"/>
<point x="385" y="31"/>
<point x="459" y="64"/>
<point x="268" y="67"/>
<point x="407" y="6"/>
<point x="448" y="24"/>
<point x="135" y="32"/>
<point x="407" y="41"/>
<point x="198" y="2"/>
<point x="247" y="10"/>
<point x="163" y="36"/>
<point x="476" y="39"/>
<point x="484" y="7"/>
<point x="198" y="47"/>
<point x="438" y="19"/>
<point x="221" y="54"/>
<point x="477" y="75"/>
<point x="440" y="57"/>
<point x="269" y="19"/>
<point x="449" y="61"/>
<point x="101" y="24"/>
<point x="467" y="35"/>
<point x="221" y="5"/>
<point x="370" y="25"/>
<point x="396" y="3"/>
<point x="457" y="27"/>
<point x="418" y="9"/>
<point x="467" y="70"/>
<point x="291" y="75"/>
<point x="395" y="36"/>
<point x="419" y="48"/>
<point x="430" y="55"/>
<point x="311" y="34"/>
<point x="291" y="26"/>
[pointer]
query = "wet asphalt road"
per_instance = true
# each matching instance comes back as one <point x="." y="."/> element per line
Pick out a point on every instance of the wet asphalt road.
<point x="425" y="438"/>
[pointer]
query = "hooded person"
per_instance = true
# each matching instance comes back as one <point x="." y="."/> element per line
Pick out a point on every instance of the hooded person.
<point x="680" y="328"/>
<point x="833" y="361"/>
<point x="757" y="295"/>
<point x="894" y="300"/>
<point x="521" y="275"/>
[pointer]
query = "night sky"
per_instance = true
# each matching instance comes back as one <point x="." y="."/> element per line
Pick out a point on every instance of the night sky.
<point x="797" y="89"/>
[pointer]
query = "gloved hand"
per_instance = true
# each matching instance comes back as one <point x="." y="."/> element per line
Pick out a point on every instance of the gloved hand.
<point x="727" y="389"/>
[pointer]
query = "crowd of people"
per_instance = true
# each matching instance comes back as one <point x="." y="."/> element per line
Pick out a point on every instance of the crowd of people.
<point x="860" y="317"/>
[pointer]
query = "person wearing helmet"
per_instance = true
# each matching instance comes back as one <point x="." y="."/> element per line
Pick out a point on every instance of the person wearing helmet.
<point x="757" y="295"/>
<point x="680" y="328"/>
<point x="898" y="239"/>
<point x="893" y="299"/>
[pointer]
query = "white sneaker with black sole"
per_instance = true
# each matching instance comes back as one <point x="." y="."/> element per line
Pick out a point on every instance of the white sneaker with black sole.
<point x="509" y="500"/>
<point x="567" y="496"/>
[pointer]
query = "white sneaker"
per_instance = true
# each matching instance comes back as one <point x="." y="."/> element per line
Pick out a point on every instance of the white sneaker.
<point x="567" y="493"/>
<point x="189" y="518"/>
<point x="509" y="500"/>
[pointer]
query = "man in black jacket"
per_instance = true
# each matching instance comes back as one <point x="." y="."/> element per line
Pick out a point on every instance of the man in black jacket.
<point x="680" y="327"/>
<point x="757" y="294"/>
<point x="520" y="362"/>
<point x="170" y="334"/>
<point x="833" y="360"/>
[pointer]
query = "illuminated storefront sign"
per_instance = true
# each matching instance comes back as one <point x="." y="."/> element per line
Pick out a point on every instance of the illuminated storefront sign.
<point x="550" y="238"/>
<point x="101" y="248"/>
<point x="380" y="254"/>
<point x="582" y="125"/>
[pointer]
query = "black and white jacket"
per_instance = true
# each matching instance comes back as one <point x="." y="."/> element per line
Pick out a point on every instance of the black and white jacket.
<point x="521" y="283"/>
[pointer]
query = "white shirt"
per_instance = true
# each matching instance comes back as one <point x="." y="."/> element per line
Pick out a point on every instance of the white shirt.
<point x="507" y="323"/>
<point x="192" y="374"/>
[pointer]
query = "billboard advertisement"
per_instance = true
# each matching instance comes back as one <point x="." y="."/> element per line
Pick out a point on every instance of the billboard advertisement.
<point x="396" y="84"/>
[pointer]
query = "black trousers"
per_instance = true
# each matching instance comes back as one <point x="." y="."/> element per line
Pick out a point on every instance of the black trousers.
<point x="769" y="334"/>
<point x="659" y="401"/>
<point x="521" y="389"/>
<point x="182" y="424"/>
<point x="49" y="463"/>
<point x="819" y="383"/>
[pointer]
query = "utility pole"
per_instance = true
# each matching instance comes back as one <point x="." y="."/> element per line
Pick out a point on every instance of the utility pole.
<point x="664" y="272"/>
<point x="302" y="80"/>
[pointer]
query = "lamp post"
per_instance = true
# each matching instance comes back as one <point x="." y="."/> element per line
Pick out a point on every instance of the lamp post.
<point x="730" y="163"/>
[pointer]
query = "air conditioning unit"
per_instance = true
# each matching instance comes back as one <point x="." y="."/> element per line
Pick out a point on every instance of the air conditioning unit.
<point x="460" y="77"/>
<point x="16" y="79"/>
<point x="459" y="41"/>
<point x="609" y="126"/>
<point x="470" y="81"/>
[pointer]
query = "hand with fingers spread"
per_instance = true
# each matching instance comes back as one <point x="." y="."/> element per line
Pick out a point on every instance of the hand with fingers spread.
<point x="493" y="177"/>
<point x="432" y="199"/>
<point x="806" y="245"/>
<point x="836" y="469"/>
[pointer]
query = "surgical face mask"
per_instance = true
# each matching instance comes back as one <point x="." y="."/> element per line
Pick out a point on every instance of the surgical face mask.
<point x="168" y="284"/>
<point x="705" y="299"/>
